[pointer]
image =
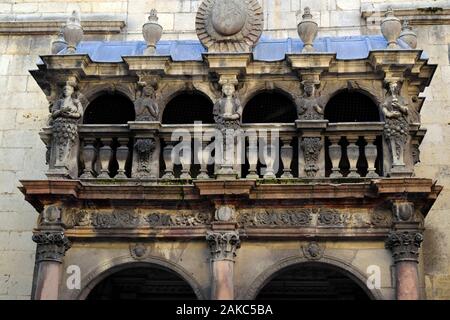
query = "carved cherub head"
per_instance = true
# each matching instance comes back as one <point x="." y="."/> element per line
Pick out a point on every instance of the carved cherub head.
<point x="309" y="88"/>
<point x="148" y="91"/>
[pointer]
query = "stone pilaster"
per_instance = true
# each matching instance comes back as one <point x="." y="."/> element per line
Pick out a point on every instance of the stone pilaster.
<point x="51" y="248"/>
<point x="223" y="247"/>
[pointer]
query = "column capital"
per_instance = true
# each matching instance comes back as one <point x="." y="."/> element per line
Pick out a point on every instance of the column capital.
<point x="223" y="245"/>
<point x="404" y="245"/>
<point x="52" y="245"/>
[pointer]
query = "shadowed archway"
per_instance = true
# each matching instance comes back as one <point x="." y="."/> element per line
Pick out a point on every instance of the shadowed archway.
<point x="151" y="282"/>
<point x="187" y="108"/>
<point x="109" y="108"/>
<point x="270" y="107"/>
<point x="313" y="281"/>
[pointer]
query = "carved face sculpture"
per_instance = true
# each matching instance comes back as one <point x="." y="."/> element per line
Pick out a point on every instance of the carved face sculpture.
<point x="228" y="89"/>
<point x="309" y="89"/>
<point x="229" y="17"/>
<point x="148" y="91"/>
<point x="68" y="91"/>
<point x="393" y="87"/>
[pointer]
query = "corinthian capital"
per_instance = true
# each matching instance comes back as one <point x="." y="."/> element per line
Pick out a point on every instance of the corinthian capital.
<point x="52" y="245"/>
<point x="404" y="245"/>
<point x="223" y="245"/>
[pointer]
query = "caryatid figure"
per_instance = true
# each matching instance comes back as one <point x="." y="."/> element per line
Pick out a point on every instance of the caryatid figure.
<point x="145" y="106"/>
<point x="308" y="106"/>
<point x="228" y="110"/>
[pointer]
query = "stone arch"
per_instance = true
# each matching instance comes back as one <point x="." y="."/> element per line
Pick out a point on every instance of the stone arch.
<point x="373" y="104"/>
<point x="112" y="266"/>
<point x="90" y="93"/>
<point x="290" y="89"/>
<point x="285" y="98"/>
<point x="109" y="108"/>
<point x="270" y="273"/>
<point x="199" y="99"/>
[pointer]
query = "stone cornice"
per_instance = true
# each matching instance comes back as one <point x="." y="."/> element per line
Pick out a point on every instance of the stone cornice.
<point x="416" y="12"/>
<point x="46" y="27"/>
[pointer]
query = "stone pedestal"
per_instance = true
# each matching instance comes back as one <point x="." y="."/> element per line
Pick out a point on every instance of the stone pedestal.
<point x="223" y="251"/>
<point x="51" y="248"/>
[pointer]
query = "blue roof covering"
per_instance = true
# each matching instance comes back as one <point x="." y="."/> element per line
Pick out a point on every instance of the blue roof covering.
<point x="346" y="48"/>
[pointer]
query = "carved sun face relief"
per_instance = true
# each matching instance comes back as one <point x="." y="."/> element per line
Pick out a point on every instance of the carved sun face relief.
<point x="229" y="25"/>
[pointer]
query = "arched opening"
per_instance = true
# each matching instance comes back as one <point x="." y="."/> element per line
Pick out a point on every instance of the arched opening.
<point x="187" y="108"/>
<point x="270" y="107"/>
<point x="313" y="281"/>
<point x="143" y="283"/>
<point x="351" y="106"/>
<point x="109" y="108"/>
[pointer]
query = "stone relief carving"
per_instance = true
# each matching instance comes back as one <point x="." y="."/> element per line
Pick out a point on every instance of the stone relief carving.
<point x="144" y="149"/>
<point x="311" y="147"/>
<point x="225" y="213"/>
<point x="331" y="217"/>
<point x="223" y="245"/>
<point x="396" y="129"/>
<point x="138" y="251"/>
<point x="229" y="25"/>
<point x="404" y="245"/>
<point x="123" y="219"/>
<point x="267" y="217"/>
<point x="51" y="245"/>
<point x="65" y="115"/>
<point x="313" y="251"/>
<point x="145" y="106"/>
<point x="309" y="106"/>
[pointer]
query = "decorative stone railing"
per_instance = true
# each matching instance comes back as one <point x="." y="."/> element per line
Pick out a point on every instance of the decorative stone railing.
<point x="263" y="151"/>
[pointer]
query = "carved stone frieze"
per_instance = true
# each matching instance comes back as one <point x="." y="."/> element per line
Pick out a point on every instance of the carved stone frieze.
<point x="311" y="147"/>
<point x="125" y="219"/>
<point x="229" y="25"/>
<point x="267" y="217"/>
<point x="223" y="245"/>
<point x="404" y="245"/>
<point x="51" y="245"/>
<point x="144" y="149"/>
<point x="331" y="217"/>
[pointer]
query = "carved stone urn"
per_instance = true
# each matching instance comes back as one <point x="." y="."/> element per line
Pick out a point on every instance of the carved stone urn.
<point x="391" y="27"/>
<point x="73" y="32"/>
<point x="307" y="30"/>
<point x="59" y="44"/>
<point x="408" y="35"/>
<point x="152" y="32"/>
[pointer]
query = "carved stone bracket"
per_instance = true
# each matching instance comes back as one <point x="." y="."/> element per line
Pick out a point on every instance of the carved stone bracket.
<point x="404" y="245"/>
<point x="223" y="245"/>
<point x="52" y="245"/>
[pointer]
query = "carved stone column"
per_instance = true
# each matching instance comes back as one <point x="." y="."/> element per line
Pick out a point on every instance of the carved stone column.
<point x="223" y="251"/>
<point x="52" y="245"/>
<point x="404" y="242"/>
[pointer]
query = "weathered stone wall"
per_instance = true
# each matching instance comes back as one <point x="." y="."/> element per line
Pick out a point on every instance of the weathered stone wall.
<point x="23" y="110"/>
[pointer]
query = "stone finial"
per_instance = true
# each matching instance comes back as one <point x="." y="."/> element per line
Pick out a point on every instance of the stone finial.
<point x="59" y="44"/>
<point x="391" y="27"/>
<point x="307" y="30"/>
<point x="408" y="35"/>
<point x="152" y="32"/>
<point x="73" y="32"/>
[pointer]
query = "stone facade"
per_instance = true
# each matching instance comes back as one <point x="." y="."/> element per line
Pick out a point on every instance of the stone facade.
<point x="24" y="111"/>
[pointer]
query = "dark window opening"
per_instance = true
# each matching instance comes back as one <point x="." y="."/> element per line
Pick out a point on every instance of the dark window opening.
<point x="188" y="108"/>
<point x="351" y="107"/>
<point x="109" y="109"/>
<point x="270" y="107"/>
<point x="143" y="283"/>
<point x="312" y="282"/>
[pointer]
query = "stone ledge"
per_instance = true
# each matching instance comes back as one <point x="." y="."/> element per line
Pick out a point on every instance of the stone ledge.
<point x="418" y="13"/>
<point x="37" y="24"/>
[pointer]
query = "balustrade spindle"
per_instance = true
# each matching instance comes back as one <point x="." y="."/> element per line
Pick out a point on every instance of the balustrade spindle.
<point x="353" y="156"/>
<point x="122" y="156"/>
<point x="287" y="154"/>
<point x="105" y="156"/>
<point x="252" y="156"/>
<point x="186" y="163"/>
<point x="371" y="153"/>
<point x="203" y="157"/>
<point x="269" y="159"/>
<point x="88" y="155"/>
<point x="335" y="152"/>
<point x="169" y="162"/>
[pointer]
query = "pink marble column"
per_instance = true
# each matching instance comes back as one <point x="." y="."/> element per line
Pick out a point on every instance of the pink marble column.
<point x="405" y="245"/>
<point x="51" y="248"/>
<point x="223" y="251"/>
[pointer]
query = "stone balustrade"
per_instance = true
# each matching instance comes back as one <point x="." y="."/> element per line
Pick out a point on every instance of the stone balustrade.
<point x="258" y="151"/>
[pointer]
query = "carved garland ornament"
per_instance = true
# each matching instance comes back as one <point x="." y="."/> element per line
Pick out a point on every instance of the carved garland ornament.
<point x="311" y="147"/>
<point x="229" y="25"/>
